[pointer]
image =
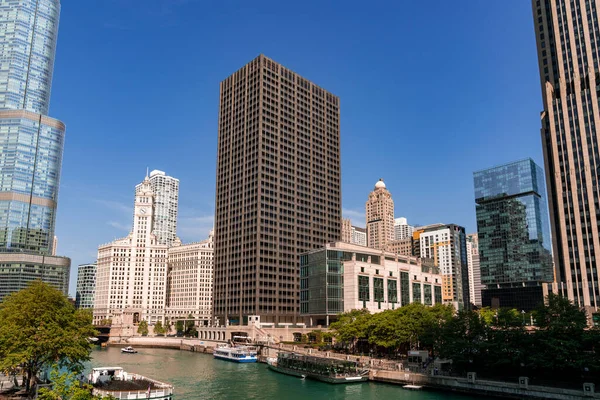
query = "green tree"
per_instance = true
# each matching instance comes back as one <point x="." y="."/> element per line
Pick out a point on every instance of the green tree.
<point x="463" y="340"/>
<point x="351" y="326"/>
<point x="179" y="327"/>
<point x="159" y="330"/>
<point x="143" y="328"/>
<point x="38" y="326"/>
<point x="65" y="386"/>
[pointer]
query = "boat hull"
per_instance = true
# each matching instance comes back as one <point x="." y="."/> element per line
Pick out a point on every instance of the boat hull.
<point x="322" y="378"/>
<point x="236" y="360"/>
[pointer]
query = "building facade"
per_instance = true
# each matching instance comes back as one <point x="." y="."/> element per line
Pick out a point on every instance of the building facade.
<point x="166" y="205"/>
<point x="190" y="281"/>
<point x="380" y="217"/>
<point x="403" y="247"/>
<point x="86" y="286"/>
<point x="402" y="230"/>
<point x="341" y="277"/>
<point x="31" y="143"/>
<point x="446" y="245"/>
<point x="475" y="286"/>
<point x="358" y="236"/>
<point x="132" y="271"/>
<point x="514" y="234"/>
<point x="278" y="188"/>
<point x="566" y="34"/>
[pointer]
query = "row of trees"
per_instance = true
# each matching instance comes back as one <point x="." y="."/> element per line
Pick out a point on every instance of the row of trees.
<point x="495" y="344"/>
<point x="187" y="328"/>
<point x="41" y="330"/>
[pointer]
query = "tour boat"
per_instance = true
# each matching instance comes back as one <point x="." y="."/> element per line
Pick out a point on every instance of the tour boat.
<point x="240" y="354"/>
<point x="129" y="350"/>
<point x="115" y="382"/>
<point x="328" y="370"/>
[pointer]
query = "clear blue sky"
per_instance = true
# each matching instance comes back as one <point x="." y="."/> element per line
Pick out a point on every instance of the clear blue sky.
<point x="430" y="92"/>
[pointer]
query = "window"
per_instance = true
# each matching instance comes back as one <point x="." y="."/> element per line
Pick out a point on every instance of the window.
<point x="378" y="289"/>
<point x="392" y="287"/>
<point x="437" y="294"/>
<point x="363" y="288"/>
<point x="404" y="289"/>
<point x="416" y="292"/>
<point x="427" y="295"/>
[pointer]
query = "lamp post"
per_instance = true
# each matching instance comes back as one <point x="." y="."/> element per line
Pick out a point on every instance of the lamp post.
<point x="523" y="312"/>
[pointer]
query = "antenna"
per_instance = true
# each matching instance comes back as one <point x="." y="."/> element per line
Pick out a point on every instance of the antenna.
<point x="147" y="169"/>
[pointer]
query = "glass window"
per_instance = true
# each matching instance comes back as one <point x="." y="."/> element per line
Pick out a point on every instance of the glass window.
<point x="378" y="289"/>
<point x="416" y="292"/>
<point x="363" y="288"/>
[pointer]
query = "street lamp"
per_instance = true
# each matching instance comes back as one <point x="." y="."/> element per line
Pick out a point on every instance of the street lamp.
<point x="523" y="312"/>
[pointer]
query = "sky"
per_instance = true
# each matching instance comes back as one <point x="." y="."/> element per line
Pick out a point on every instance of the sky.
<point x="429" y="91"/>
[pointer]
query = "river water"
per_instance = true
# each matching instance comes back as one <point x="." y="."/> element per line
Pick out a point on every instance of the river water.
<point x="198" y="376"/>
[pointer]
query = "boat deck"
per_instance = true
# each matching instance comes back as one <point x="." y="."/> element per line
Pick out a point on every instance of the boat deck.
<point x="127" y="386"/>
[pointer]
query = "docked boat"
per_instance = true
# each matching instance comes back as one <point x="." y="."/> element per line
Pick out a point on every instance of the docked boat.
<point x="129" y="350"/>
<point x="328" y="370"/>
<point x="115" y="382"/>
<point x="240" y="354"/>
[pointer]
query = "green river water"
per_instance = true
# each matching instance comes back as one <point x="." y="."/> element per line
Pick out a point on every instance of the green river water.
<point x="198" y="376"/>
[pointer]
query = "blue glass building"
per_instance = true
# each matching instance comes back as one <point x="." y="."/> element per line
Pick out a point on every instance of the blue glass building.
<point x="31" y="143"/>
<point x="514" y="234"/>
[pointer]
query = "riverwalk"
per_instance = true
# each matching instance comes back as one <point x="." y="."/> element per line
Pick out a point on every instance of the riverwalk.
<point x="393" y="372"/>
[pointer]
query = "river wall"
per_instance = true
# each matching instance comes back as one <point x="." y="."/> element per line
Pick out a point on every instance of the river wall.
<point x="472" y="385"/>
<point x="200" y="346"/>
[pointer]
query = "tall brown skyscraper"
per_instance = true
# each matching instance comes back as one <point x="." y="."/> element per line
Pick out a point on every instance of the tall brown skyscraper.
<point x="278" y="189"/>
<point x="568" y="42"/>
<point x="379" y="212"/>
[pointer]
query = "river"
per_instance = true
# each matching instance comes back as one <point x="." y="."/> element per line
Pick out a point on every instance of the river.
<point x="198" y="376"/>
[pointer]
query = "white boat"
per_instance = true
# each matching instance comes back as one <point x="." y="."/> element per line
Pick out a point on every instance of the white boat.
<point x="115" y="382"/>
<point x="240" y="354"/>
<point x="129" y="350"/>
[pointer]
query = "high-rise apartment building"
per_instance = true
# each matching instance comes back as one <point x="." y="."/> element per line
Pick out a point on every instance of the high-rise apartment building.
<point x="380" y="217"/>
<point x="514" y="234"/>
<point x="31" y="146"/>
<point x="190" y="281"/>
<point x="475" y="286"/>
<point x="402" y="230"/>
<point x="353" y="234"/>
<point x="445" y="245"/>
<point x="166" y="204"/>
<point x="278" y="188"/>
<point x="567" y="34"/>
<point x="86" y="286"/>
<point x="132" y="271"/>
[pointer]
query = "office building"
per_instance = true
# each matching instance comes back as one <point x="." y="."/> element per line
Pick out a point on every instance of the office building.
<point x="402" y="230"/>
<point x="403" y="247"/>
<point x="132" y="272"/>
<point x="353" y="234"/>
<point x="514" y="234"/>
<point x="278" y="189"/>
<point x="341" y="277"/>
<point x="86" y="286"/>
<point x="475" y="286"/>
<point x="166" y="204"/>
<point x="190" y="281"/>
<point x="31" y="145"/>
<point x="566" y="34"/>
<point x="445" y="245"/>
<point x="380" y="217"/>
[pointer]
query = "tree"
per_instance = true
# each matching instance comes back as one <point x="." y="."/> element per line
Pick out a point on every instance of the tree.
<point x="351" y="326"/>
<point x="159" y="330"/>
<point x="143" y="328"/>
<point x="65" y="386"/>
<point x="179" y="327"/>
<point x="38" y="327"/>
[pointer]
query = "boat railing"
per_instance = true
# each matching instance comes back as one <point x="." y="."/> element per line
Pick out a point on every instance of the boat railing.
<point x="139" y="394"/>
<point x="158" y="384"/>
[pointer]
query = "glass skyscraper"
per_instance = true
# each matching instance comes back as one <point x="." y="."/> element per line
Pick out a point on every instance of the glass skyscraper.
<point x="31" y="144"/>
<point x="514" y="234"/>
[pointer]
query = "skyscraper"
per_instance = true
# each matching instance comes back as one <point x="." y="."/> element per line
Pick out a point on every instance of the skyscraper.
<point x="514" y="234"/>
<point x="31" y="144"/>
<point x="131" y="275"/>
<point x="567" y="33"/>
<point x="380" y="217"/>
<point x="86" y="286"/>
<point x="278" y="188"/>
<point x="474" y="269"/>
<point x="402" y="230"/>
<point x="166" y="204"/>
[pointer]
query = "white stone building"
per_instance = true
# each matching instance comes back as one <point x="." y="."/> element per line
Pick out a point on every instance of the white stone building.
<point x="166" y="203"/>
<point x="132" y="271"/>
<point x="190" y="281"/>
<point x="342" y="277"/>
<point x="402" y="230"/>
<point x="475" y="285"/>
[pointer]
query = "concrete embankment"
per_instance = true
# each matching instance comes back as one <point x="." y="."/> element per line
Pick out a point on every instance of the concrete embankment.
<point x="472" y="385"/>
<point x="200" y="346"/>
